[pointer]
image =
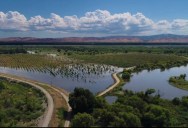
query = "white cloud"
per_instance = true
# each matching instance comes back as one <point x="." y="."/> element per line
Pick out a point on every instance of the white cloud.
<point x="13" y="21"/>
<point x="57" y="21"/>
<point x="96" y="22"/>
<point x="179" y="24"/>
<point x="163" y="26"/>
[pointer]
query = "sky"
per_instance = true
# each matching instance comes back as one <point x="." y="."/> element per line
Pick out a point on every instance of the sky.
<point x="83" y="18"/>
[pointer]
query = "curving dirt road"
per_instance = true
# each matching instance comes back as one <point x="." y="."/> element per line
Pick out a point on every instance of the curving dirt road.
<point x="114" y="76"/>
<point x="67" y="121"/>
<point x="117" y="81"/>
<point x="50" y="108"/>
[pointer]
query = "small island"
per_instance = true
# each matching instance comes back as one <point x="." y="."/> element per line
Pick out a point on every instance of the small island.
<point x="179" y="81"/>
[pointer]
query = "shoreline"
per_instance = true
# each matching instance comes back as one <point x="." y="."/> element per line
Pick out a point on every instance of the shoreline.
<point x="182" y="88"/>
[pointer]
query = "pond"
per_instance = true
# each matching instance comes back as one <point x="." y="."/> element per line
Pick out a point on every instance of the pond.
<point x="157" y="80"/>
<point x="94" y="77"/>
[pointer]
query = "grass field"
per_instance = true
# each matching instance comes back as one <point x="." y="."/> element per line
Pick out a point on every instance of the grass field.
<point x="129" y="59"/>
<point x="20" y="104"/>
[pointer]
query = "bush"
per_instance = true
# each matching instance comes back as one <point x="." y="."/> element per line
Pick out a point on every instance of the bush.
<point x="81" y="100"/>
<point x="149" y="92"/>
<point x="2" y="86"/>
<point x="82" y="120"/>
<point x="126" y="75"/>
<point x="185" y="101"/>
<point x="132" y="120"/>
<point x="156" y="116"/>
<point x="176" y="101"/>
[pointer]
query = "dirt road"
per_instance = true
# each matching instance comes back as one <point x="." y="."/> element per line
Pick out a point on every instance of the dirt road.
<point x="117" y="81"/>
<point x="67" y="121"/>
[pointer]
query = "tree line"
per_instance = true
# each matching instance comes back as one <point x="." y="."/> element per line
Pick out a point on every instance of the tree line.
<point x="142" y="109"/>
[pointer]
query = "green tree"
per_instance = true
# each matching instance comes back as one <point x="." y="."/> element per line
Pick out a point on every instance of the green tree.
<point x="176" y="101"/>
<point x="82" y="120"/>
<point x="81" y="100"/>
<point x="185" y="101"/>
<point x="136" y="102"/>
<point x="149" y="92"/>
<point x="100" y="102"/>
<point x="2" y="86"/>
<point x="2" y="115"/>
<point x="132" y="120"/>
<point x="182" y="76"/>
<point x="104" y="117"/>
<point x="118" y="122"/>
<point x="126" y="75"/>
<point x="156" y="116"/>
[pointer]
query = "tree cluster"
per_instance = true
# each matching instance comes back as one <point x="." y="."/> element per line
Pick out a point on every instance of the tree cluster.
<point x="143" y="109"/>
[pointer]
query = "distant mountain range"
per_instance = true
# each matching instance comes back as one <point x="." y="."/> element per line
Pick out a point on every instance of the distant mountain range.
<point x="164" y="38"/>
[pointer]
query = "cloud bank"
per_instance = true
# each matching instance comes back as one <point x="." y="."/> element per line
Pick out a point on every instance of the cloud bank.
<point x="96" y="22"/>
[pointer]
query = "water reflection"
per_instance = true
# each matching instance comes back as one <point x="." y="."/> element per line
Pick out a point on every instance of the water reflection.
<point x="158" y="80"/>
<point x="90" y="76"/>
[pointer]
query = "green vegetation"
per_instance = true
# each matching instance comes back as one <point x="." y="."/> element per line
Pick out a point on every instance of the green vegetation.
<point x="141" y="60"/>
<point x="81" y="100"/>
<point x="62" y="114"/>
<point x="20" y="104"/>
<point x="141" y="109"/>
<point x="130" y="109"/>
<point x="94" y="50"/>
<point x="126" y="75"/>
<point x="144" y="57"/>
<point x="29" y="61"/>
<point x="179" y="81"/>
<point x="82" y="120"/>
<point x="12" y="51"/>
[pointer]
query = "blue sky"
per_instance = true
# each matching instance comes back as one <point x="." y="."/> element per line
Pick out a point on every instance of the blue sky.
<point x="44" y="18"/>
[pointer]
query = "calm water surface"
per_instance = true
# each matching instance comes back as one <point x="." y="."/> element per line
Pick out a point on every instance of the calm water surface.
<point x="158" y="80"/>
<point x="96" y="80"/>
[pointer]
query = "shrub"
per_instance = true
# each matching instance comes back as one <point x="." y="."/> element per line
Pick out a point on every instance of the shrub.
<point x="82" y="120"/>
